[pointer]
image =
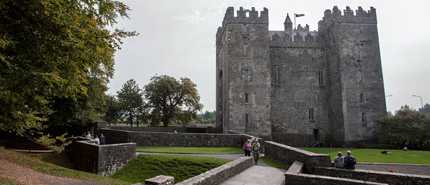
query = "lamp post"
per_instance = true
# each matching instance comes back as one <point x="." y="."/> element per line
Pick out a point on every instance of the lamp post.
<point x="422" y="106"/>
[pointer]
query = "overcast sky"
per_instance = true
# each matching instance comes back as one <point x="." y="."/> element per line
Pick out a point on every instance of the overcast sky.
<point x="177" y="38"/>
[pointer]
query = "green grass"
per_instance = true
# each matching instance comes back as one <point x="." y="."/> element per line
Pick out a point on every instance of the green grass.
<point x="274" y="163"/>
<point x="374" y="155"/>
<point x="179" y="166"/>
<point x="4" y="180"/>
<point x="190" y="150"/>
<point x="53" y="164"/>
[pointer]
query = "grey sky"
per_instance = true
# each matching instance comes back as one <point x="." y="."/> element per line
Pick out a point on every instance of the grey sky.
<point x="177" y="38"/>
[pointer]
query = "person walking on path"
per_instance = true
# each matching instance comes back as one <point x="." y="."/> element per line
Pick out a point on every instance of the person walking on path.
<point x="247" y="147"/>
<point x="349" y="161"/>
<point x="338" y="160"/>
<point x="256" y="150"/>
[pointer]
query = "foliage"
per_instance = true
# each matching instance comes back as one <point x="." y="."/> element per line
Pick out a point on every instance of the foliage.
<point x="172" y="100"/>
<point x="179" y="166"/>
<point x="407" y="128"/>
<point x="207" y="117"/>
<point x="51" y="143"/>
<point x="113" y="110"/>
<point x="49" y="50"/>
<point x="131" y="100"/>
<point x="425" y="109"/>
<point x="375" y="155"/>
<point x="190" y="150"/>
<point x="274" y="163"/>
<point x="38" y="164"/>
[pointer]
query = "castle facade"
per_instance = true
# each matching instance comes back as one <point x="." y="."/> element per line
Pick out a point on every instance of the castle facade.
<point x="297" y="86"/>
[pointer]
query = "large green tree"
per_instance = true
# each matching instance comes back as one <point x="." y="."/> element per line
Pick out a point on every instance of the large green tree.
<point x="131" y="100"/>
<point x="113" y="111"/>
<point x="50" y="50"/>
<point x="171" y="100"/>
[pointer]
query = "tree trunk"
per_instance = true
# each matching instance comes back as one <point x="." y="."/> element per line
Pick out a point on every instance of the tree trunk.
<point x="165" y="123"/>
<point x="131" y="120"/>
<point x="137" y="121"/>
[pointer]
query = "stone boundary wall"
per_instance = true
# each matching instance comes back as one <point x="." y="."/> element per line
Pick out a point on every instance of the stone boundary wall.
<point x="183" y="129"/>
<point x="288" y="155"/>
<point x="221" y="173"/>
<point x="294" y="176"/>
<point x="376" y="176"/>
<point x="100" y="159"/>
<point x="174" y="139"/>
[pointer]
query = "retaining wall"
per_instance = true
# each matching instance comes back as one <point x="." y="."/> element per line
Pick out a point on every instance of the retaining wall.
<point x="294" y="176"/>
<point x="100" y="159"/>
<point x="221" y="173"/>
<point x="288" y="155"/>
<point x="174" y="139"/>
<point x="183" y="129"/>
<point x="376" y="176"/>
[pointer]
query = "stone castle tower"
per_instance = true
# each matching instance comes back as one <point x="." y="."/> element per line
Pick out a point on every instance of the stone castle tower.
<point x="296" y="86"/>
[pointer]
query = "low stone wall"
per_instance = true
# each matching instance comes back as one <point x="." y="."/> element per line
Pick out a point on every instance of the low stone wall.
<point x="100" y="159"/>
<point x="294" y="176"/>
<point x="221" y="173"/>
<point x="174" y="139"/>
<point x="376" y="176"/>
<point x="293" y="139"/>
<point x="183" y="129"/>
<point x="288" y="155"/>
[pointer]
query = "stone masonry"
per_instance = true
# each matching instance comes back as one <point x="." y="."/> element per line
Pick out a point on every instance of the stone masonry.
<point x="318" y="87"/>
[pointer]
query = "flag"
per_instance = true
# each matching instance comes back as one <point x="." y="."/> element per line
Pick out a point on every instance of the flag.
<point x="299" y="15"/>
<point x="246" y="10"/>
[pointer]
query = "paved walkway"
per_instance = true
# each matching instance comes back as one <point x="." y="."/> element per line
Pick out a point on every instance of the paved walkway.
<point x="418" y="169"/>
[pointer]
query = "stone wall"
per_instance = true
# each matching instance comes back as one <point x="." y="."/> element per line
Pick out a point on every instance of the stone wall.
<point x="220" y="174"/>
<point x="174" y="139"/>
<point x="100" y="159"/>
<point x="376" y="176"/>
<point x="294" y="176"/>
<point x="288" y="155"/>
<point x="184" y="129"/>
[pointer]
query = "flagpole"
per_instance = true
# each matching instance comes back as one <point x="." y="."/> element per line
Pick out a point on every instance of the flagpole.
<point x="294" y="21"/>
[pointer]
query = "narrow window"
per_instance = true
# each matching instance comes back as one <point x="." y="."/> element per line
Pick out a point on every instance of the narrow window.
<point x="361" y="98"/>
<point x="245" y="75"/>
<point x="360" y="75"/>
<point x="320" y="78"/>
<point x="245" y="50"/>
<point x="357" y="51"/>
<point x="247" y="118"/>
<point x="246" y="97"/>
<point x="363" y="118"/>
<point x="311" y="113"/>
<point x="244" y="29"/>
<point x="356" y="31"/>
<point x="277" y="71"/>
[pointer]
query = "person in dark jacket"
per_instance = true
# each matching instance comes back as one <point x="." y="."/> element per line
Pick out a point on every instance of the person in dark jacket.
<point x="349" y="161"/>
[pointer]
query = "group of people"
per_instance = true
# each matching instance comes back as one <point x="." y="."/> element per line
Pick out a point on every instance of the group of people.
<point x="96" y="139"/>
<point x="252" y="146"/>
<point x="347" y="162"/>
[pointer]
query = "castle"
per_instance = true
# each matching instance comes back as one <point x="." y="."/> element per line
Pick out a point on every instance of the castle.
<point x="297" y="86"/>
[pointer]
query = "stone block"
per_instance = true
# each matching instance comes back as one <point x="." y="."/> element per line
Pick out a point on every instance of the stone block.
<point x="160" y="180"/>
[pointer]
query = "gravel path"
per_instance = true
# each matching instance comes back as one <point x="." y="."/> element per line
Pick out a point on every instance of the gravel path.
<point x="418" y="169"/>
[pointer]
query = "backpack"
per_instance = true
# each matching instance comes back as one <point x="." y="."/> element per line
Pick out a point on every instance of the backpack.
<point x="350" y="161"/>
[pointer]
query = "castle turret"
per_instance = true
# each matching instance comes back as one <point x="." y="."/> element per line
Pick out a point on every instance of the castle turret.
<point x="288" y="25"/>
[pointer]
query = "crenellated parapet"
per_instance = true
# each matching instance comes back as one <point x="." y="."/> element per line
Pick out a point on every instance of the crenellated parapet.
<point x="335" y="16"/>
<point x="245" y="16"/>
<point x="299" y="39"/>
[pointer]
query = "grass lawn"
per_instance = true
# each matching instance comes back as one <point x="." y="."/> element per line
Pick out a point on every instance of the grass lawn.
<point x="190" y="150"/>
<point x="179" y="166"/>
<point x="53" y="164"/>
<point x="274" y="163"/>
<point x="374" y="155"/>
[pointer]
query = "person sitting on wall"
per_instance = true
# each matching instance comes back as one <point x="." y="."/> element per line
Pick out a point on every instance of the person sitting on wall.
<point x="88" y="136"/>
<point x="349" y="161"/>
<point x="256" y="150"/>
<point x="247" y="147"/>
<point x="338" y="160"/>
<point x="102" y="139"/>
<point x="97" y="140"/>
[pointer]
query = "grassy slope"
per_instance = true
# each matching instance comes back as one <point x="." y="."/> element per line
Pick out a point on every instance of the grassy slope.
<point x="274" y="163"/>
<point x="192" y="150"/>
<point x="374" y="155"/>
<point x="52" y="167"/>
<point x="179" y="166"/>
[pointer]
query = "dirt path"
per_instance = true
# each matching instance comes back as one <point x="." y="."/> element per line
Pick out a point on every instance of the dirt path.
<point x="29" y="176"/>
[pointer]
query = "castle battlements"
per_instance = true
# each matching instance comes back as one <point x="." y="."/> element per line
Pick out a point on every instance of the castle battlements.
<point x="348" y="16"/>
<point x="283" y="39"/>
<point x="245" y="16"/>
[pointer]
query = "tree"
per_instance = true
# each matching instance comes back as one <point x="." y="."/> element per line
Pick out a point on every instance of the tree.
<point x="407" y="128"/>
<point x="113" y="110"/>
<point x="425" y="109"/>
<point x="50" y="50"/>
<point x="131" y="100"/>
<point x="171" y="100"/>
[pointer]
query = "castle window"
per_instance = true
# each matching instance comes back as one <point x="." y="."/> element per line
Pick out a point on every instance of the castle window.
<point x="277" y="71"/>
<point x="244" y="29"/>
<point x="361" y="98"/>
<point x="245" y="50"/>
<point x="320" y="78"/>
<point x="360" y="75"/>
<point x="311" y="113"/>
<point x="363" y="118"/>
<point x="246" y="97"/>
<point x="357" y="51"/>
<point x="356" y="31"/>
<point x="247" y="118"/>
<point x="245" y="75"/>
